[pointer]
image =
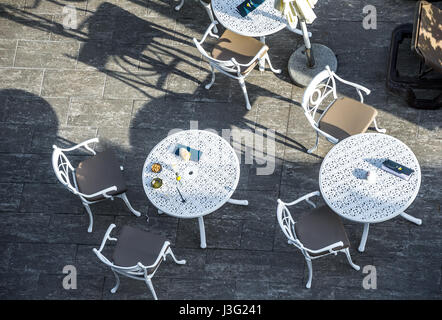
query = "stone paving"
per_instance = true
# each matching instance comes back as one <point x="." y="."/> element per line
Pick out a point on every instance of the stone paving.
<point x="129" y="73"/>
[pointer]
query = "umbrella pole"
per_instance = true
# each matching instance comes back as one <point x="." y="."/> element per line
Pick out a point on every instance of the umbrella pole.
<point x="308" y="46"/>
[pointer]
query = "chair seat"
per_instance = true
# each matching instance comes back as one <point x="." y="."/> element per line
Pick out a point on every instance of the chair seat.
<point x="98" y="173"/>
<point x="243" y="49"/>
<point x="321" y="228"/>
<point x="135" y="246"/>
<point x="347" y="117"/>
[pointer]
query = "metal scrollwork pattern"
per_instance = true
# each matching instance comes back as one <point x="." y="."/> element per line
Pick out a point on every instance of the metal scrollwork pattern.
<point x="262" y="21"/>
<point x="205" y="185"/>
<point x="343" y="183"/>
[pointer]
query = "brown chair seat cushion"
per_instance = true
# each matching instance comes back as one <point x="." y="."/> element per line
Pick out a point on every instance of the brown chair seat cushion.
<point x="98" y="173"/>
<point x="134" y="245"/>
<point x="321" y="228"/>
<point x="427" y="34"/>
<point x="207" y="1"/>
<point x="243" y="49"/>
<point x="347" y="117"/>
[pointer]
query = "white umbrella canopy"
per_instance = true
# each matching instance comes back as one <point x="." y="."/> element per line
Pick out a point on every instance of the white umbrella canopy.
<point x="295" y="10"/>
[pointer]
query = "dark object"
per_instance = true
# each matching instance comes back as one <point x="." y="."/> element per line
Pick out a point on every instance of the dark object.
<point x="248" y="6"/>
<point x="182" y="198"/>
<point x="397" y="169"/>
<point x="135" y="246"/>
<point x="156" y="183"/>
<point x="195" y="155"/>
<point x="320" y="228"/>
<point x="425" y="34"/>
<point x="98" y="173"/>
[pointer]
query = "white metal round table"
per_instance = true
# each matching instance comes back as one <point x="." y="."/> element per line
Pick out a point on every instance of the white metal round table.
<point x="263" y="21"/>
<point x="205" y="185"/>
<point x="345" y="189"/>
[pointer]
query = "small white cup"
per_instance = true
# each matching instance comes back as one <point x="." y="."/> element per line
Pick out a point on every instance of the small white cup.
<point x="371" y="177"/>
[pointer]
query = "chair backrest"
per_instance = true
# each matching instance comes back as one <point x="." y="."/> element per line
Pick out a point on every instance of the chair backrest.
<point x="322" y="86"/>
<point x="64" y="171"/>
<point x="427" y="34"/>
<point x="287" y="223"/>
<point x="229" y="66"/>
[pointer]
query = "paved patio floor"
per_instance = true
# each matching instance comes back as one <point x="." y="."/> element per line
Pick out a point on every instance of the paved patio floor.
<point x="128" y="74"/>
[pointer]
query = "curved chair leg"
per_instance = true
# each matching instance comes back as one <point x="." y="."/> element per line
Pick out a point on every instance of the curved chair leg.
<point x="126" y="201"/>
<point x="347" y="253"/>
<point x="376" y="127"/>
<point x="179" y="6"/>
<point x="91" y="218"/>
<point x="209" y="85"/>
<point x="149" y="284"/>
<point x="244" y="90"/>
<point x="210" y="14"/>
<point x="117" y="284"/>
<point x="267" y="58"/>
<point x="310" y="274"/>
<point x="169" y="251"/>
<point x="316" y="144"/>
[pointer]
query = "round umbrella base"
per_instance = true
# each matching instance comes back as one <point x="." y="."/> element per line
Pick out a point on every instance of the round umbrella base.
<point x="300" y="73"/>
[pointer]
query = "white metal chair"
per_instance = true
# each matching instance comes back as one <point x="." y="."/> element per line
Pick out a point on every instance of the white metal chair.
<point x="137" y="255"/>
<point x="207" y="5"/>
<point x="235" y="56"/>
<point x="95" y="179"/>
<point x="342" y="117"/>
<point x="317" y="234"/>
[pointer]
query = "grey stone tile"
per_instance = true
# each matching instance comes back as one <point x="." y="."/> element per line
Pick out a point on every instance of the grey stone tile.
<point x="99" y="112"/>
<point x="40" y="257"/>
<point x="28" y="227"/>
<point x="67" y="228"/>
<point x="10" y="196"/>
<point x="140" y="85"/>
<point x="21" y="79"/>
<point x="46" y="54"/>
<point x="225" y="234"/>
<point x="32" y="110"/>
<point x="18" y="286"/>
<point x="73" y="83"/>
<point x="64" y="137"/>
<point x="47" y="198"/>
<point x="109" y="56"/>
<point x="15" y="138"/>
<point x="7" y="52"/>
<point x="138" y="8"/>
<point x="5" y="256"/>
<point x="15" y="25"/>
<point x="207" y="289"/>
<point x="51" y="7"/>
<point x="131" y="289"/>
<point x="153" y="114"/>
<point x="50" y="287"/>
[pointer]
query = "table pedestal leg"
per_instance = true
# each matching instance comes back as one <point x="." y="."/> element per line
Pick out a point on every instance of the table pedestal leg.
<point x="202" y="232"/>
<point x="238" y="202"/>
<point x="364" y="238"/>
<point x="411" y="218"/>
<point x="262" y="62"/>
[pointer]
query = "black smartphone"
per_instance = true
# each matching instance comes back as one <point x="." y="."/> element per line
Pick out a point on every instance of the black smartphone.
<point x="397" y="167"/>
